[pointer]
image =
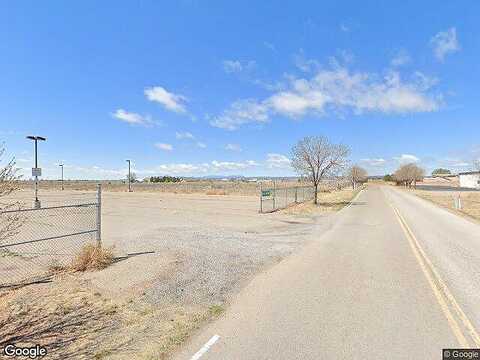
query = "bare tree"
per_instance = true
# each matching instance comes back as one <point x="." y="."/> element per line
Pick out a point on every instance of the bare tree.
<point x="317" y="158"/>
<point x="133" y="177"/>
<point x="409" y="174"/>
<point x="357" y="175"/>
<point x="9" y="222"/>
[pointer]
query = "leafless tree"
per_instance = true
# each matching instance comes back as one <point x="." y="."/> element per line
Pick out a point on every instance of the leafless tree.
<point x="317" y="158"/>
<point x="409" y="174"/>
<point x="9" y="222"/>
<point x="133" y="177"/>
<point x="357" y="175"/>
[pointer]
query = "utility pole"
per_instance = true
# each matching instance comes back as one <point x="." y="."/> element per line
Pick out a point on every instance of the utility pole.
<point x="61" y="165"/>
<point x="129" y="176"/>
<point x="36" y="171"/>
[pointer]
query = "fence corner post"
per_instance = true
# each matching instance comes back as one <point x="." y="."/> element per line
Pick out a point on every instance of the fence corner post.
<point x="99" y="215"/>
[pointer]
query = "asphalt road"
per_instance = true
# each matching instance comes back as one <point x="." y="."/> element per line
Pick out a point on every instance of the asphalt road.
<point x="394" y="278"/>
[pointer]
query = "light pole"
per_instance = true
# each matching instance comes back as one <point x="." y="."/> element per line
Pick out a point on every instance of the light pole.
<point x="61" y="166"/>
<point x="36" y="171"/>
<point x="129" y="176"/>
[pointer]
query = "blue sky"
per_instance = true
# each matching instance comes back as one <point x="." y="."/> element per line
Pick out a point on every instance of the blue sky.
<point x="198" y="88"/>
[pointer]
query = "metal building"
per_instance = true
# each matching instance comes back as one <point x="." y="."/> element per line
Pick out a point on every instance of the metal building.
<point x="470" y="179"/>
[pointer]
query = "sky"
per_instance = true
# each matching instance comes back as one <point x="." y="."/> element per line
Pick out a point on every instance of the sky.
<point x="196" y="88"/>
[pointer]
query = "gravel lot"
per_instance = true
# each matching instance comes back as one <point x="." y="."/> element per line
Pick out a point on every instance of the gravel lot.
<point x="180" y="259"/>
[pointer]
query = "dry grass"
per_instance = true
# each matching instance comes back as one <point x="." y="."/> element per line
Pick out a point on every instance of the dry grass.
<point x="327" y="202"/>
<point x="92" y="257"/>
<point x="470" y="201"/>
<point x="216" y="192"/>
<point x="69" y="320"/>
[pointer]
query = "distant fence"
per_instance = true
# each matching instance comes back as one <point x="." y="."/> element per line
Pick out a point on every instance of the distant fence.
<point x="49" y="236"/>
<point x="279" y="198"/>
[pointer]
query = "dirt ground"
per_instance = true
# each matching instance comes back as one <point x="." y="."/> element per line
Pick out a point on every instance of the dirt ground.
<point x="180" y="258"/>
<point x="470" y="201"/>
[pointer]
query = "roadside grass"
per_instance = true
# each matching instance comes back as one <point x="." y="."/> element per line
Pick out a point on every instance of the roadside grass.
<point x="470" y="201"/>
<point x="327" y="202"/>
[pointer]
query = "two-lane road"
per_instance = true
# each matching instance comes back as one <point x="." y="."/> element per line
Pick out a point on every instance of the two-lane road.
<point x="394" y="278"/>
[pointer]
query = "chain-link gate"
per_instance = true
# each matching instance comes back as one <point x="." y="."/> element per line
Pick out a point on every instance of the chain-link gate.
<point x="279" y="198"/>
<point x="48" y="237"/>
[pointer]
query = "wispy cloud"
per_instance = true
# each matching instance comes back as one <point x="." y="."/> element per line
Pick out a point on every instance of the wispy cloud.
<point x="213" y="167"/>
<point x="132" y="118"/>
<point x="407" y="158"/>
<point x="233" y="147"/>
<point x="270" y="46"/>
<point x="444" y="43"/>
<point x="278" y="161"/>
<point x="336" y="89"/>
<point x="401" y="58"/>
<point x="344" y="27"/>
<point x="184" y="135"/>
<point x="241" y="112"/>
<point x="170" y="101"/>
<point x="189" y="136"/>
<point x="236" y="66"/>
<point x="164" y="146"/>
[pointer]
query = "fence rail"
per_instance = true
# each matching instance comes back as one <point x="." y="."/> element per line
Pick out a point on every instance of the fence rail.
<point x="47" y="237"/>
<point x="273" y="199"/>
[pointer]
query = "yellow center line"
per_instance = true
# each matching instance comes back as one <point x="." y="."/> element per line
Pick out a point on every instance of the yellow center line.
<point x="433" y="279"/>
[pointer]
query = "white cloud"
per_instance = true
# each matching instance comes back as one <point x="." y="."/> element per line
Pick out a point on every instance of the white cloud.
<point x="241" y="112"/>
<point x="184" y="135"/>
<point x="375" y="162"/>
<point x="444" y="43"/>
<point x="407" y="158"/>
<point x="232" y="66"/>
<point x="336" y="89"/>
<point x="401" y="58"/>
<point x="132" y="118"/>
<point x="164" y="147"/>
<point x="201" y="145"/>
<point x="170" y="101"/>
<point x="236" y="66"/>
<point x="344" y="28"/>
<point x="233" y="147"/>
<point x="228" y="165"/>
<point x="277" y="161"/>
<point x="295" y="104"/>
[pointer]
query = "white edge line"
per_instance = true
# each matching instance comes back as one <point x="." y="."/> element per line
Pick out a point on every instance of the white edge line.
<point x="205" y="348"/>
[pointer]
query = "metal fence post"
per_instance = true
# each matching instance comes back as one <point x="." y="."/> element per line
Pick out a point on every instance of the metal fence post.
<point x="99" y="215"/>
<point x="296" y="194"/>
<point x="261" y="198"/>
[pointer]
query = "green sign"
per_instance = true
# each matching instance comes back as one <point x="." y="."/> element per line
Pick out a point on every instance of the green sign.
<point x="266" y="193"/>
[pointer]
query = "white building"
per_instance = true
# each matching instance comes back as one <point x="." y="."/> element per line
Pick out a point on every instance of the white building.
<point x="470" y="179"/>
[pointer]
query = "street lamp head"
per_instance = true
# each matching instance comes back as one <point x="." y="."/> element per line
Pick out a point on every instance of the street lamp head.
<point x="41" y="138"/>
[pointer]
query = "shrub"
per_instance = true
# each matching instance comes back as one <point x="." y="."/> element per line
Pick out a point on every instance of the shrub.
<point x="92" y="257"/>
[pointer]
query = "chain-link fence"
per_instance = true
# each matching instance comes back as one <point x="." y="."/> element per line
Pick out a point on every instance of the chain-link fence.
<point x="279" y="198"/>
<point x="47" y="237"/>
